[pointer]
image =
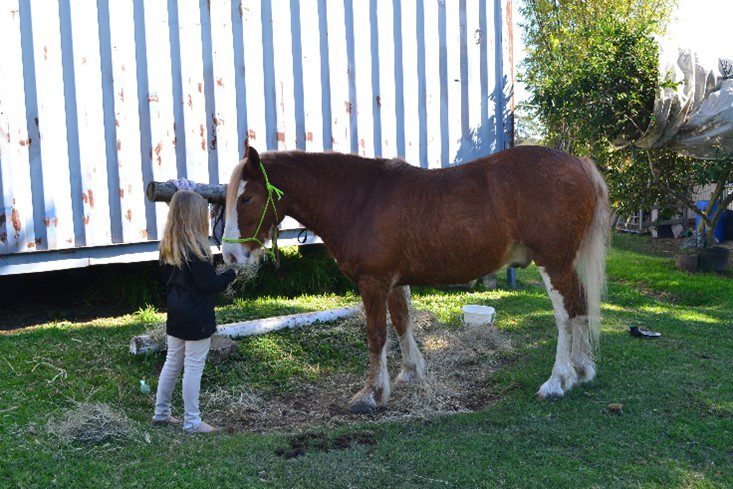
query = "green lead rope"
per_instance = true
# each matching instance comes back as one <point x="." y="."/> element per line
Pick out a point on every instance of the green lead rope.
<point x="271" y="190"/>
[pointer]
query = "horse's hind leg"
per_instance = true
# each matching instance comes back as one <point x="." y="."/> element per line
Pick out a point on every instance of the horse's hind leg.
<point x="376" y="392"/>
<point x="568" y="301"/>
<point x="413" y="364"/>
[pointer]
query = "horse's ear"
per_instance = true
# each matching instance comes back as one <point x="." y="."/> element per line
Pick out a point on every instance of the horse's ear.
<point x="251" y="168"/>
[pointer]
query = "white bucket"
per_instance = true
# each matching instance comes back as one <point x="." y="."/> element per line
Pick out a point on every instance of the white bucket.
<point x="474" y="315"/>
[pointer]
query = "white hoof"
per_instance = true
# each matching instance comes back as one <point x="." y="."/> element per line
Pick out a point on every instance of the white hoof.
<point x="551" y="389"/>
<point x="410" y="377"/>
<point x="557" y="385"/>
<point x="586" y="371"/>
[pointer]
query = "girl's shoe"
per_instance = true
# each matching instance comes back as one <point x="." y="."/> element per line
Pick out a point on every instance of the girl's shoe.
<point x="203" y="428"/>
<point x="169" y="420"/>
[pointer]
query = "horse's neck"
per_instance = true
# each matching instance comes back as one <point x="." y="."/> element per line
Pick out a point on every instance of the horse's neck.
<point x="316" y="186"/>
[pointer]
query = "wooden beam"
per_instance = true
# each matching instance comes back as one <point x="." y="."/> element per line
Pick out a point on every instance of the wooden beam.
<point x="147" y="344"/>
<point x="163" y="192"/>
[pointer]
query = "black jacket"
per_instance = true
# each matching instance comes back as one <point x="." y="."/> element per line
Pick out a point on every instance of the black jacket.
<point x="191" y="292"/>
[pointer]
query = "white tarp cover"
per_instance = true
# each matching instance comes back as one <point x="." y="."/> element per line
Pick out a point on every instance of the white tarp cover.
<point x="696" y="117"/>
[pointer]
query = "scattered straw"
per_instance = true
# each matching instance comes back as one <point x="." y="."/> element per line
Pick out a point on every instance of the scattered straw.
<point x="459" y="360"/>
<point x="92" y="424"/>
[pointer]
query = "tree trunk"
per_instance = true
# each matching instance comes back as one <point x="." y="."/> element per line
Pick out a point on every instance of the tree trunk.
<point x="163" y="192"/>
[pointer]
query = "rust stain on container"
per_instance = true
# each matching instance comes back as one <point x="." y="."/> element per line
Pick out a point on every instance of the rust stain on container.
<point x="117" y="123"/>
<point x="251" y="134"/>
<point x="241" y="9"/>
<point x="152" y="98"/>
<point x="158" y="149"/>
<point x="213" y="143"/>
<point x="128" y="215"/>
<point x="309" y="136"/>
<point x="348" y="107"/>
<point x="55" y="222"/>
<point x="143" y="234"/>
<point x="281" y="136"/>
<point x="220" y="82"/>
<point x="90" y="194"/>
<point x="47" y="222"/>
<point x="45" y="52"/>
<point x="31" y="245"/>
<point x="200" y="86"/>
<point x="203" y="144"/>
<point x="69" y="240"/>
<point x="201" y="130"/>
<point x="84" y="198"/>
<point x="122" y="94"/>
<point x="15" y="219"/>
<point x="25" y="142"/>
<point x="217" y="121"/>
<point x="83" y="60"/>
<point x="122" y="193"/>
<point x="86" y="220"/>
<point x="119" y="145"/>
<point x="379" y="101"/>
<point x="190" y="101"/>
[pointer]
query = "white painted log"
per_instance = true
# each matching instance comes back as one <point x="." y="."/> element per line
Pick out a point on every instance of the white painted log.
<point x="146" y="344"/>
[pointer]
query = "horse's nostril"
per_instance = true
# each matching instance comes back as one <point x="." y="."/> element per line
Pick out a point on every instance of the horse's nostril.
<point x="247" y="254"/>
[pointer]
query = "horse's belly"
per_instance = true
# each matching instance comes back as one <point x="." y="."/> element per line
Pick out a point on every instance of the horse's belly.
<point x="456" y="269"/>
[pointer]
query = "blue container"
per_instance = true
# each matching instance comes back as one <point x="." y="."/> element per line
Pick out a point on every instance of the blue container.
<point x="719" y="232"/>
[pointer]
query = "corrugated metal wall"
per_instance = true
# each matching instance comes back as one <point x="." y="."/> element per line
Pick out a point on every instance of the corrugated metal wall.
<point x="98" y="97"/>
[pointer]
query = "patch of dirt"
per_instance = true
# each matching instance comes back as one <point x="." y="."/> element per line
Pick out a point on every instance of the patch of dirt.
<point x="459" y="364"/>
<point x="299" y="445"/>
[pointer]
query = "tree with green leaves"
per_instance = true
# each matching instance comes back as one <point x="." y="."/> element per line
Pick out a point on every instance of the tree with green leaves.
<point x="592" y="69"/>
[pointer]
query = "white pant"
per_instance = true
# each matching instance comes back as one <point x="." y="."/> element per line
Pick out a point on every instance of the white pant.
<point x="192" y="356"/>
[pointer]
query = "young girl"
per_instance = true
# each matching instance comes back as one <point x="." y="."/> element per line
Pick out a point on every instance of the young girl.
<point x="191" y="284"/>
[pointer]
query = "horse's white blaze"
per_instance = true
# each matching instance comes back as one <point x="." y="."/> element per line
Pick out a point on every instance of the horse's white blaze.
<point x="235" y="252"/>
<point x="563" y="373"/>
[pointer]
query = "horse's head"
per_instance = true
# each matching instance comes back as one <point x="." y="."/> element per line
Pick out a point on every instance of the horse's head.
<point x="253" y="210"/>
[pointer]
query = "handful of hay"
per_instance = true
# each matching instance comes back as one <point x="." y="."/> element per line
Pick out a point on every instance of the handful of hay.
<point x="245" y="274"/>
<point x="92" y="424"/>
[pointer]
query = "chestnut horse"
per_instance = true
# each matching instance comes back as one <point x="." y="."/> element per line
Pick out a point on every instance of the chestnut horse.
<point x="390" y="225"/>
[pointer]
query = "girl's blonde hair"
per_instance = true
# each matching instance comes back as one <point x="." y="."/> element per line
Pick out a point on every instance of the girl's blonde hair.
<point x="187" y="229"/>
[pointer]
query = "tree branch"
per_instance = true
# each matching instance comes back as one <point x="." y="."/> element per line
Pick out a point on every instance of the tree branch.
<point x="681" y="198"/>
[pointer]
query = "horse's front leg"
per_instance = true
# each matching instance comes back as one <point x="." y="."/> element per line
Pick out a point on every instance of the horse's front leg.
<point x="376" y="392"/>
<point x="413" y="364"/>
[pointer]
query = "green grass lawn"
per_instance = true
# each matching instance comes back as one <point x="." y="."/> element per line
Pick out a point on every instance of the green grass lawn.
<point x="676" y="429"/>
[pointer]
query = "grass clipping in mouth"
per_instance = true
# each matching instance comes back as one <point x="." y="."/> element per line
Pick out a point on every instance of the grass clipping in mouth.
<point x="245" y="274"/>
<point x="92" y="424"/>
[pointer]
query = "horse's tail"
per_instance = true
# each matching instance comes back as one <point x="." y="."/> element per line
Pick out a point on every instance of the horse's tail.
<point x="591" y="260"/>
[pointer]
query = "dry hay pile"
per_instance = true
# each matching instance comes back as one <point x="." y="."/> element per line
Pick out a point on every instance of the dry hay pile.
<point x="92" y="424"/>
<point x="459" y="362"/>
<point x="245" y="274"/>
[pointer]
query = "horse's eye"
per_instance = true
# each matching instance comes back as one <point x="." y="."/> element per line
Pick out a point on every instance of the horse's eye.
<point x="245" y="200"/>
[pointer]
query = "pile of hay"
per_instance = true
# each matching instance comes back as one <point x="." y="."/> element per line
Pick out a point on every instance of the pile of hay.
<point x="460" y="361"/>
<point x="245" y="274"/>
<point x="92" y="424"/>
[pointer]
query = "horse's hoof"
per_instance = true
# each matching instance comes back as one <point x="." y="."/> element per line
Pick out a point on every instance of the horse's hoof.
<point x="586" y="372"/>
<point x="550" y="390"/>
<point x="410" y="377"/>
<point x="362" y="403"/>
